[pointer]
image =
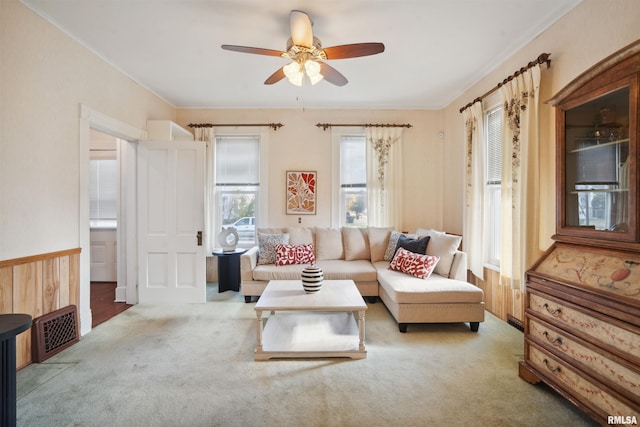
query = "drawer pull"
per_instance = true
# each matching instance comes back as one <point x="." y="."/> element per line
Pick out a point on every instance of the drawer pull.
<point x="555" y="312"/>
<point x="549" y="367"/>
<point x="557" y="341"/>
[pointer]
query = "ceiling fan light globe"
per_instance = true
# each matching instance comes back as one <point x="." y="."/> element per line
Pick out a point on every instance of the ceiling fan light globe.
<point x="291" y="70"/>
<point x="297" y="79"/>
<point x="312" y="68"/>
<point x="315" y="79"/>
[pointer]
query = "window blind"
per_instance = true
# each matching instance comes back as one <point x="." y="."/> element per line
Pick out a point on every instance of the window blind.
<point x="241" y="165"/>
<point x="353" y="172"/>
<point x="103" y="191"/>
<point x="494" y="146"/>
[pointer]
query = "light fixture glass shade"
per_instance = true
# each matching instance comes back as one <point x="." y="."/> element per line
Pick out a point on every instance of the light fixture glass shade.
<point x="312" y="67"/>
<point x="294" y="73"/>
<point x="291" y="69"/>
<point x="297" y="79"/>
<point x="313" y="71"/>
<point x="315" y="79"/>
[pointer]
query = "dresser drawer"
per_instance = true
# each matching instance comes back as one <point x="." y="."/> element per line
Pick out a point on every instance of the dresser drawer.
<point x="588" y="325"/>
<point x="567" y="378"/>
<point x="567" y="348"/>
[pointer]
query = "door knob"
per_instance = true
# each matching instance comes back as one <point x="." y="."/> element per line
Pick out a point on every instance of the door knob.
<point x="199" y="237"/>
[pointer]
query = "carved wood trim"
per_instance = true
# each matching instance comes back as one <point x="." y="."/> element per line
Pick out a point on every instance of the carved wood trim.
<point x="599" y="68"/>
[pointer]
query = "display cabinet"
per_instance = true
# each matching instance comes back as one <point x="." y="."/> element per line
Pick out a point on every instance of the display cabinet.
<point x="582" y="299"/>
<point x="597" y="129"/>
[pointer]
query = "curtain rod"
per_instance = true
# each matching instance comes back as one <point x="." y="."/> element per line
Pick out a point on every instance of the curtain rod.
<point x="544" y="57"/>
<point x="274" y="126"/>
<point x="326" y="126"/>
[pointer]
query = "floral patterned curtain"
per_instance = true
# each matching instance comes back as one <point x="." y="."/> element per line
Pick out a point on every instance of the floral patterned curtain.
<point x="474" y="224"/>
<point x="384" y="177"/>
<point x="207" y="135"/>
<point x="520" y="212"/>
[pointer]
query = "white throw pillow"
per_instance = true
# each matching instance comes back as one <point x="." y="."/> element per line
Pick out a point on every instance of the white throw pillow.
<point x="442" y="245"/>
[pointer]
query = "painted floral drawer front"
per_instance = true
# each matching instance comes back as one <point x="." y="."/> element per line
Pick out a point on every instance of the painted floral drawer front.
<point x="618" y="275"/>
<point x="587" y="391"/>
<point x="563" y="316"/>
<point x="564" y="346"/>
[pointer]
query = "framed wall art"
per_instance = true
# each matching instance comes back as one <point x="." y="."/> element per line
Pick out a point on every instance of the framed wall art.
<point x="301" y="193"/>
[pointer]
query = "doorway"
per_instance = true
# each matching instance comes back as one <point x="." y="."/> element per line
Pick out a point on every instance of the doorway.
<point x="104" y="196"/>
<point x="126" y="229"/>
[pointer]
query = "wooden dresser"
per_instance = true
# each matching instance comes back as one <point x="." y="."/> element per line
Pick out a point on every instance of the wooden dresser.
<point x="582" y="328"/>
<point x="582" y="300"/>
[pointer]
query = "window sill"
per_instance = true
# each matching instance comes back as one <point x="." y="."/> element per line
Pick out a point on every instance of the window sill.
<point x="493" y="267"/>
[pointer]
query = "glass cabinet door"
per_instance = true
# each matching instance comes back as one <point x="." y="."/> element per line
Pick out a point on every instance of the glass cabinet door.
<point x="596" y="169"/>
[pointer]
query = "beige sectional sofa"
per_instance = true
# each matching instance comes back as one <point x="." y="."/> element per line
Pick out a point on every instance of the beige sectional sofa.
<point x="363" y="255"/>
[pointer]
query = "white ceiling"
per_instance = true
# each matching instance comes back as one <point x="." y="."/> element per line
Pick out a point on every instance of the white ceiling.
<point x="435" y="49"/>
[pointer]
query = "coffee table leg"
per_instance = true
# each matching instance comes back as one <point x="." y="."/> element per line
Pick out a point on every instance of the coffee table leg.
<point x="361" y="329"/>
<point x="259" y="331"/>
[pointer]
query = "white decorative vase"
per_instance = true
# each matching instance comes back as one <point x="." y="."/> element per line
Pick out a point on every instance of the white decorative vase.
<point x="228" y="239"/>
<point x="312" y="278"/>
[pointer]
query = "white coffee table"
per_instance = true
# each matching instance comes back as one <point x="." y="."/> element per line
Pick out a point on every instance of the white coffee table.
<point x="320" y="324"/>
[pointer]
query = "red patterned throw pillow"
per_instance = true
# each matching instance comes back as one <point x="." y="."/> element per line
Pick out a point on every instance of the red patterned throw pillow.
<point x="417" y="265"/>
<point x="294" y="254"/>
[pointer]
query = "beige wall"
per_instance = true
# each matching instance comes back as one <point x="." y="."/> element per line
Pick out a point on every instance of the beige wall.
<point x="44" y="77"/>
<point x="587" y="34"/>
<point x="300" y="145"/>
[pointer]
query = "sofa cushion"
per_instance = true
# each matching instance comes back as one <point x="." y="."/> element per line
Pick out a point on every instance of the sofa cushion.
<point x="358" y="271"/>
<point x="393" y="243"/>
<point x="267" y="246"/>
<point x="415" y="264"/>
<point x="272" y="272"/>
<point x="356" y="244"/>
<point x="442" y="245"/>
<point x="405" y="289"/>
<point x="329" y="244"/>
<point x="294" y="254"/>
<point x="300" y="235"/>
<point x="378" y="241"/>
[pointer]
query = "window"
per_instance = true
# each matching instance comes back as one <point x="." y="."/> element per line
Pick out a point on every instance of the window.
<point x="493" y="126"/>
<point x="237" y="183"/>
<point x="353" y="181"/>
<point x="103" y="193"/>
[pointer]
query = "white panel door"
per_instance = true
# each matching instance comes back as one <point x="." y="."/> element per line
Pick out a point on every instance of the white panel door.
<point x="171" y="258"/>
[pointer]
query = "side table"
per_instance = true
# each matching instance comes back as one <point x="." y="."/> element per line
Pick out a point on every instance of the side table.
<point x="228" y="269"/>
<point x="10" y="326"/>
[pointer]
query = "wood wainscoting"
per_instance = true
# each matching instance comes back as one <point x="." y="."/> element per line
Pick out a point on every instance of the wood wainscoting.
<point x="37" y="285"/>
<point x="501" y="301"/>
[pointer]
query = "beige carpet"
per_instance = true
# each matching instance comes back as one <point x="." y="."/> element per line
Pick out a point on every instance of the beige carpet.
<point x="192" y="365"/>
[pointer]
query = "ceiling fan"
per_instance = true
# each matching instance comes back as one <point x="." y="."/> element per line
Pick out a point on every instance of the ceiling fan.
<point x="307" y="54"/>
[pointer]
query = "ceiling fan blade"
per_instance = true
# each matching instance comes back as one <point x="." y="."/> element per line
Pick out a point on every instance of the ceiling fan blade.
<point x="353" y="50"/>
<point x="332" y="75"/>
<point x="256" y="50"/>
<point x="301" y="32"/>
<point x="275" y="77"/>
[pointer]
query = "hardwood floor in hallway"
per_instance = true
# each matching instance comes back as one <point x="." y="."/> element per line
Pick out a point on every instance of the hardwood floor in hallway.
<point x="103" y="306"/>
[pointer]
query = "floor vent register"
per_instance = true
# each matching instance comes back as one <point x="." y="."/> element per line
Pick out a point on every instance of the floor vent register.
<point x="54" y="332"/>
